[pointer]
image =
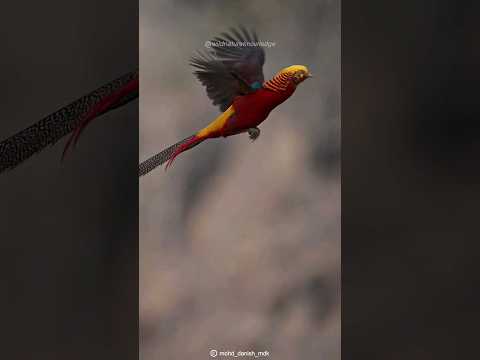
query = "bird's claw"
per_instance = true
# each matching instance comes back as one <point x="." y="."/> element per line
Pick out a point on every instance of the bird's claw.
<point x="253" y="133"/>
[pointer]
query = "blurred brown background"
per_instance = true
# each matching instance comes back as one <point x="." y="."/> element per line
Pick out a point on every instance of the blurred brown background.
<point x="240" y="242"/>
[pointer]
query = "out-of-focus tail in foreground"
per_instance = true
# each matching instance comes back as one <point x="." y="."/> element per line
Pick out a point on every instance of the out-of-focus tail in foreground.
<point x="73" y="117"/>
<point x="168" y="155"/>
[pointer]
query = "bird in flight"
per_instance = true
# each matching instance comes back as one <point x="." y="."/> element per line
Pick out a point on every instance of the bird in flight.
<point x="232" y="72"/>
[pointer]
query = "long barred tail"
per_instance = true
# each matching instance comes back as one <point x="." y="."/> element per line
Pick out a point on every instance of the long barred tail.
<point x="168" y="155"/>
<point x="19" y="147"/>
<point x="116" y="98"/>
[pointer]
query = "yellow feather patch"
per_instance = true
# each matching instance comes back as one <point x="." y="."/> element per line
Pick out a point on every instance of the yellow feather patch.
<point x="217" y="124"/>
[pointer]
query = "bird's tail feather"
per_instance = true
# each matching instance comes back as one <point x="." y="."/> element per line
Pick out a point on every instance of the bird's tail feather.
<point x="22" y="145"/>
<point x="114" y="100"/>
<point x="169" y="154"/>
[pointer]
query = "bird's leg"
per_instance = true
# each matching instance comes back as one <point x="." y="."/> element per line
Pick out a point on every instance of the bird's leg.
<point x="253" y="133"/>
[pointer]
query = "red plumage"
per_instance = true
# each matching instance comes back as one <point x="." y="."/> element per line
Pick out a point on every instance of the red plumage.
<point x="252" y="109"/>
<point x="184" y="146"/>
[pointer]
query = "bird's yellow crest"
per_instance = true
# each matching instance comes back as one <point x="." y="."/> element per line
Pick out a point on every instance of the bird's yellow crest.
<point x="298" y="72"/>
<point x="292" y="69"/>
<point x="281" y="80"/>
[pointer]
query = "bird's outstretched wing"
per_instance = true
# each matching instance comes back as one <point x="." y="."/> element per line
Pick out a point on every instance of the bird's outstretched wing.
<point x="232" y="66"/>
<point x="74" y="116"/>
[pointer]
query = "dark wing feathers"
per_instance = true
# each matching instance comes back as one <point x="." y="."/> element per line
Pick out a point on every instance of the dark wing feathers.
<point x="220" y="84"/>
<point x="229" y="71"/>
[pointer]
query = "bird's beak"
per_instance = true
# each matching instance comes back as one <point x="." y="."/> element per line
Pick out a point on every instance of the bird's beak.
<point x="309" y="76"/>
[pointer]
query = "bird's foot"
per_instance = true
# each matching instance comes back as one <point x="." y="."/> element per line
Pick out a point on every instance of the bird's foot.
<point x="253" y="133"/>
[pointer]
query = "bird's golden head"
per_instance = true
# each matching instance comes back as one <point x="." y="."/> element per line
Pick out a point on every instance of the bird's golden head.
<point x="297" y="73"/>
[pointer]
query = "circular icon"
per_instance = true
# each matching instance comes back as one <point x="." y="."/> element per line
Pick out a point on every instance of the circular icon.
<point x="208" y="44"/>
<point x="213" y="353"/>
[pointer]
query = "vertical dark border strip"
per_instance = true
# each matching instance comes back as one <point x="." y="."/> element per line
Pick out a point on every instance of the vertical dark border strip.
<point x="69" y="230"/>
<point x="410" y="175"/>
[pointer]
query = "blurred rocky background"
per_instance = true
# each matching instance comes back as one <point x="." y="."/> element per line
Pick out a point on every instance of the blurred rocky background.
<point x="240" y="241"/>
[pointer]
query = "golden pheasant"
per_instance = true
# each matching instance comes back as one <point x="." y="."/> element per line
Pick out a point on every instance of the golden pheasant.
<point x="232" y="74"/>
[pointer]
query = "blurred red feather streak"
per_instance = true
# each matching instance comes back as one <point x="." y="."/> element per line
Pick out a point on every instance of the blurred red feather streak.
<point x="109" y="102"/>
